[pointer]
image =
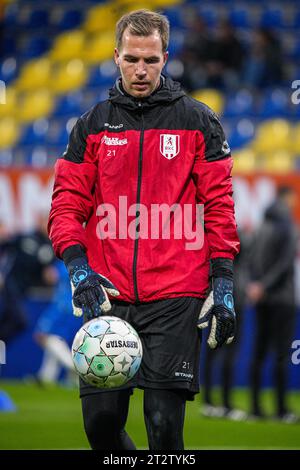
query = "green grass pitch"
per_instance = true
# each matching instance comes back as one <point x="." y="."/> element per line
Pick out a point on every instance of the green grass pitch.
<point x="50" y="418"/>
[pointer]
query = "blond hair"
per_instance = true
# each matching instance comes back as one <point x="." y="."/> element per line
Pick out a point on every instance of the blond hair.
<point x="143" y="23"/>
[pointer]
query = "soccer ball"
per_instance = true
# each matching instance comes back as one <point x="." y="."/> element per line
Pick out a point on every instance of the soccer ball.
<point x="107" y="352"/>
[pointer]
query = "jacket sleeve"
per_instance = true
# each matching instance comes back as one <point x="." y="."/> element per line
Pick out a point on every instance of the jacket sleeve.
<point x="212" y="176"/>
<point x="72" y="199"/>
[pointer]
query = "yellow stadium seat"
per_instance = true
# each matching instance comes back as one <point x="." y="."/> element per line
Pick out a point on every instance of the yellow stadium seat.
<point x="212" y="98"/>
<point x="9" y="131"/>
<point x="34" y="105"/>
<point x="127" y="7"/>
<point x="295" y="141"/>
<point x="35" y="75"/>
<point x="272" y="136"/>
<point x="101" y="18"/>
<point x="9" y="108"/>
<point x="245" y="161"/>
<point x="68" y="46"/>
<point x="99" y="48"/>
<point x="68" y="76"/>
<point x="279" y="162"/>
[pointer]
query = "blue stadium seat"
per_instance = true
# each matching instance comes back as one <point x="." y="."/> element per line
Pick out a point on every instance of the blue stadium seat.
<point x="273" y="18"/>
<point x="9" y="45"/>
<point x="36" y="46"/>
<point x="102" y="76"/>
<point x="176" y="42"/>
<point x="240" y="18"/>
<point x="36" y="133"/>
<point x="38" y="19"/>
<point x="239" y="104"/>
<point x="242" y="133"/>
<point x="58" y="134"/>
<point x="70" y="104"/>
<point x="70" y="19"/>
<point x="274" y="103"/>
<point x="176" y="17"/>
<point x="8" y="70"/>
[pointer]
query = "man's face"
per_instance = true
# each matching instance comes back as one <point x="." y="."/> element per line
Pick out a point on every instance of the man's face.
<point x="141" y="61"/>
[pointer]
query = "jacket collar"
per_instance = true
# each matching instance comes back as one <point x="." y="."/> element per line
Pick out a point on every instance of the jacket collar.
<point x="167" y="92"/>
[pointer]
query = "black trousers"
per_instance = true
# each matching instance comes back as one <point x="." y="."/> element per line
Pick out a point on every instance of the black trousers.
<point x="275" y="326"/>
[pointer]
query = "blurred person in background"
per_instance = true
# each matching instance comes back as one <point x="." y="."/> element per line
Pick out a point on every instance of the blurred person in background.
<point x="227" y="356"/>
<point x="229" y="57"/>
<point x="263" y="66"/>
<point x="198" y="53"/>
<point x="27" y="260"/>
<point x="55" y="331"/>
<point x="272" y="292"/>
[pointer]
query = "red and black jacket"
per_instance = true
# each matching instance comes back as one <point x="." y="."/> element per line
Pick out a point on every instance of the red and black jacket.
<point x="120" y="148"/>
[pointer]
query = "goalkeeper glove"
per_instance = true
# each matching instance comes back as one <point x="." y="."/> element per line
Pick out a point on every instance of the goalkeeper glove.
<point x="89" y="289"/>
<point x="218" y="309"/>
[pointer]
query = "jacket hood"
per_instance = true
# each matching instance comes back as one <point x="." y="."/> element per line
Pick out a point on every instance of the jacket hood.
<point x="168" y="92"/>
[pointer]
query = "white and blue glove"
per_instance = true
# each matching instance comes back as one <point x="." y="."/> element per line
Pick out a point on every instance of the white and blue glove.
<point x="217" y="311"/>
<point x="89" y="289"/>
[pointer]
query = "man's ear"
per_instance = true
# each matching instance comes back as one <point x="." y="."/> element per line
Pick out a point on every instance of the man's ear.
<point x="166" y="55"/>
<point x="117" y="57"/>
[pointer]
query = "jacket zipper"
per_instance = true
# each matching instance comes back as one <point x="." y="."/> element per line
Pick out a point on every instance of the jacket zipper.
<point x="138" y="200"/>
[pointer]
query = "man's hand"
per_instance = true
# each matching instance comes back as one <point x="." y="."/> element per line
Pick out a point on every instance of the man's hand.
<point x="89" y="290"/>
<point x="218" y="312"/>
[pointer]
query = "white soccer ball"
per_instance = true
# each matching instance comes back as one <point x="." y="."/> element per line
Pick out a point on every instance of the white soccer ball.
<point x="107" y="352"/>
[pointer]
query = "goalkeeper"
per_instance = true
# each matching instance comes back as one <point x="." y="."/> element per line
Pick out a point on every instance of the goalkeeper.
<point x="150" y="145"/>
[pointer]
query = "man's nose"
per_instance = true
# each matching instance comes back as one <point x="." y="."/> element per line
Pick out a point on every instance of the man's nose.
<point x="141" y="68"/>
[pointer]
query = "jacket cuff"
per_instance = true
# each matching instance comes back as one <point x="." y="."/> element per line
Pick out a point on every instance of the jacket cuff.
<point x="222" y="267"/>
<point x="73" y="252"/>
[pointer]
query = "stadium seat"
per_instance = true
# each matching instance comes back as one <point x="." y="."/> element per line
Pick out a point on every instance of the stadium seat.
<point x="35" y="74"/>
<point x="68" y="46"/>
<point x="295" y="140"/>
<point x="69" y="19"/>
<point x="68" y="76"/>
<point x="103" y="75"/>
<point x="100" y="18"/>
<point x="279" y="162"/>
<point x="273" y="18"/>
<point x="212" y="98"/>
<point x="37" y="19"/>
<point x="34" y="105"/>
<point x="35" y="47"/>
<point x="239" y="104"/>
<point x="70" y="104"/>
<point x="244" y="161"/>
<point x="10" y="107"/>
<point x="242" y="133"/>
<point x="8" y="70"/>
<point x="9" y="131"/>
<point x="274" y="103"/>
<point x="100" y="48"/>
<point x="240" y="17"/>
<point x="272" y="136"/>
<point x="36" y="133"/>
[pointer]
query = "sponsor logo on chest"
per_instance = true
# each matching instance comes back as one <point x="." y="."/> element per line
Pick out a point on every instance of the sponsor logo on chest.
<point x="113" y="141"/>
